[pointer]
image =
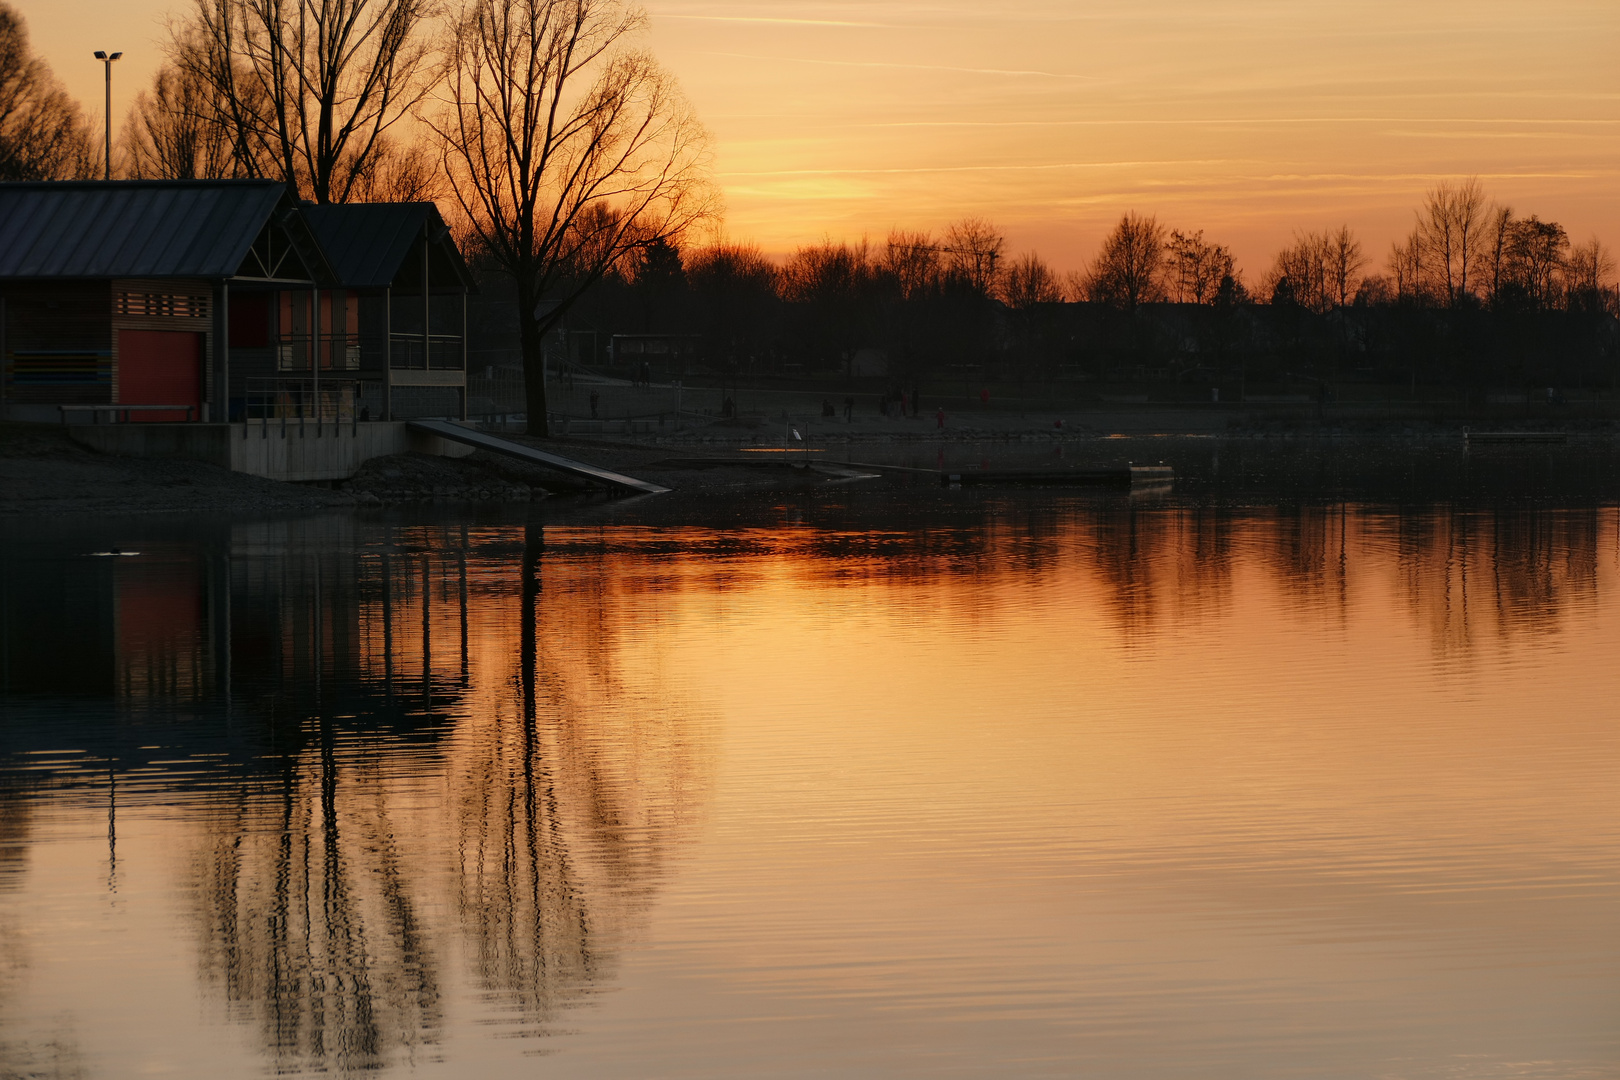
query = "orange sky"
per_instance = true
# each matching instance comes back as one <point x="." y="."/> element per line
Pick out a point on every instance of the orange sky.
<point x="1250" y="120"/>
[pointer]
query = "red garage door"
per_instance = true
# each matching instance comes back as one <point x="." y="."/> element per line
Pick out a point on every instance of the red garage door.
<point x="160" y="367"/>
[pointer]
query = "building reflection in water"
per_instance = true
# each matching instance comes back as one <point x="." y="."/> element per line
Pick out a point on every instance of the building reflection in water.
<point x="388" y="739"/>
<point x="406" y="749"/>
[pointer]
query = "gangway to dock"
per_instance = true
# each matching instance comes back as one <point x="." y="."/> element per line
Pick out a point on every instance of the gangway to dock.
<point x="446" y="429"/>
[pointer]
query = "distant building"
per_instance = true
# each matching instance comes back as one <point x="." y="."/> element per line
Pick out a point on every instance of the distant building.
<point x="666" y="353"/>
<point x="869" y="363"/>
<point x="209" y="300"/>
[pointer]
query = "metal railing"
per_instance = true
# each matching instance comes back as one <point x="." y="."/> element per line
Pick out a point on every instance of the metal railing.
<point x="121" y="413"/>
<point x="336" y="352"/>
<point x="440" y="352"/>
<point x="302" y="399"/>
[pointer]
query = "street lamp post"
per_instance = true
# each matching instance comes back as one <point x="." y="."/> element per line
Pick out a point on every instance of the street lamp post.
<point x="107" y="59"/>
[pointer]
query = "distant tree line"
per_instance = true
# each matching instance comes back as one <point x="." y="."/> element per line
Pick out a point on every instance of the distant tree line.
<point x="1475" y="297"/>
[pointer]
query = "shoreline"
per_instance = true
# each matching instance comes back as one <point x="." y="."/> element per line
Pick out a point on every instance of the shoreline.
<point x="44" y="472"/>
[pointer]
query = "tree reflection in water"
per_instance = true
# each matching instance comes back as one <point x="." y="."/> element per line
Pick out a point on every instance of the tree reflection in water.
<point x="442" y="754"/>
<point x="516" y="780"/>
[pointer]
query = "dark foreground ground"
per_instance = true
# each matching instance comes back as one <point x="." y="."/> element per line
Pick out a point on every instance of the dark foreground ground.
<point x="43" y="472"/>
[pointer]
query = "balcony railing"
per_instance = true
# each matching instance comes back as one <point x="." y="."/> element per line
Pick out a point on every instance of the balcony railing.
<point x="440" y="352"/>
<point x="330" y="401"/>
<point x="336" y="352"/>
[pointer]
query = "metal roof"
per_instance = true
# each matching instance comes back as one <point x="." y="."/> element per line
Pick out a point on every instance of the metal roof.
<point x="132" y="228"/>
<point x="367" y="243"/>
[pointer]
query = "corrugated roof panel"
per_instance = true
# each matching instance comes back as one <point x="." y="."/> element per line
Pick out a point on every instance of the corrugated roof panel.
<point x="367" y="242"/>
<point x="131" y="228"/>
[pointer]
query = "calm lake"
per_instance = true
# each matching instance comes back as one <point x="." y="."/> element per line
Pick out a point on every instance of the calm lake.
<point x="905" y="783"/>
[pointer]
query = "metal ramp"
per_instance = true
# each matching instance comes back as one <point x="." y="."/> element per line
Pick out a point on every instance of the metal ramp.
<point x="446" y="429"/>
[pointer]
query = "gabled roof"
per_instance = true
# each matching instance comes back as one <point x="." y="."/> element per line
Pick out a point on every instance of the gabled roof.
<point x="367" y="243"/>
<point x="132" y="228"/>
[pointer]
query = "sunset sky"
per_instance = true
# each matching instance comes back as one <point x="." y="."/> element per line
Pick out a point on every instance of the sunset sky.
<point x="1251" y="120"/>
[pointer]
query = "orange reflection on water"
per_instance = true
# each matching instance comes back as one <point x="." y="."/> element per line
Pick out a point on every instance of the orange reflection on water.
<point x="1136" y="789"/>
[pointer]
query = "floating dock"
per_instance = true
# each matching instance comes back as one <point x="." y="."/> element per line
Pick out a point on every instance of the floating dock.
<point x="446" y="429"/>
<point x="1109" y="476"/>
<point x="1495" y="437"/>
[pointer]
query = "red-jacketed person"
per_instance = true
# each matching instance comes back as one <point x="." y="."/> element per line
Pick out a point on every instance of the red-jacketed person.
<point x="940" y="416"/>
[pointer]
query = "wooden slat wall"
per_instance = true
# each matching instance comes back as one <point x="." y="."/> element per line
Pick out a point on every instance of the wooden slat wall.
<point x="58" y="344"/>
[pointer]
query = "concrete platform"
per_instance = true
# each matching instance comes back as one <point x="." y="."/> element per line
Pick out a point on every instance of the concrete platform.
<point x="290" y="450"/>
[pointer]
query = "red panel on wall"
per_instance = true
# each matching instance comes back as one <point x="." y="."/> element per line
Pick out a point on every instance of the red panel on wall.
<point x="160" y="367"/>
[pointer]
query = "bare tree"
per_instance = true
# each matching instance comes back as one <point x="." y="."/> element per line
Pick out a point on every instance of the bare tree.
<point x="308" y="88"/>
<point x="1196" y="267"/>
<point x="1407" y="268"/>
<point x="1319" y="271"/>
<point x="1537" y="253"/>
<point x="1300" y="274"/>
<point x="566" y="148"/>
<point x="835" y="285"/>
<point x="43" y="134"/>
<point x="178" y="129"/>
<point x="1028" y="282"/>
<point x="733" y="287"/>
<point x="1129" y="270"/>
<point x="1498" y="238"/>
<point x="973" y="248"/>
<point x="912" y="262"/>
<point x="1375" y="290"/>
<point x="1587" y="275"/>
<point x="400" y="172"/>
<point x="1344" y="264"/>
<point x="1452" y="225"/>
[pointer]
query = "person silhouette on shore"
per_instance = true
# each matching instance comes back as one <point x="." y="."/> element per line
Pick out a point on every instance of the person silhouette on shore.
<point x="595" y="398"/>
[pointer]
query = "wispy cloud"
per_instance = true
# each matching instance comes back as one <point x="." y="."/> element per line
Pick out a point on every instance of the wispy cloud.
<point x="1245" y="121"/>
<point x="1031" y="167"/>
<point x="901" y="67"/>
<point x="769" y="19"/>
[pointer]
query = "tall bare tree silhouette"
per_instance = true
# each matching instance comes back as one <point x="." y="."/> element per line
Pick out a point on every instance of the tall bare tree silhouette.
<point x="567" y="147"/>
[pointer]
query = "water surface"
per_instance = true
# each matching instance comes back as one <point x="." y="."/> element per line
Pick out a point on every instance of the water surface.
<point x="1032" y="786"/>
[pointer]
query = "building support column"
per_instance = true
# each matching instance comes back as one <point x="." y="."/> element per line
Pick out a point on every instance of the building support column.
<point x="222" y="345"/>
<point x="315" y="353"/>
<point x="5" y="361"/>
<point x="388" y="354"/>
<point x="427" y="306"/>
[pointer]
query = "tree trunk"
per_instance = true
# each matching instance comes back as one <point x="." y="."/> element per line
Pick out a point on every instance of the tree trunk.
<point x="534" y="365"/>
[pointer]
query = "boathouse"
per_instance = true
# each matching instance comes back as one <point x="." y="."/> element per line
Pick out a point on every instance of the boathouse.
<point x="223" y="321"/>
<point x="213" y="300"/>
<point x="115" y="295"/>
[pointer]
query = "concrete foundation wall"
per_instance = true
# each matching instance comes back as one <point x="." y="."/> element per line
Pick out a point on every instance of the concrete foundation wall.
<point x="293" y="452"/>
